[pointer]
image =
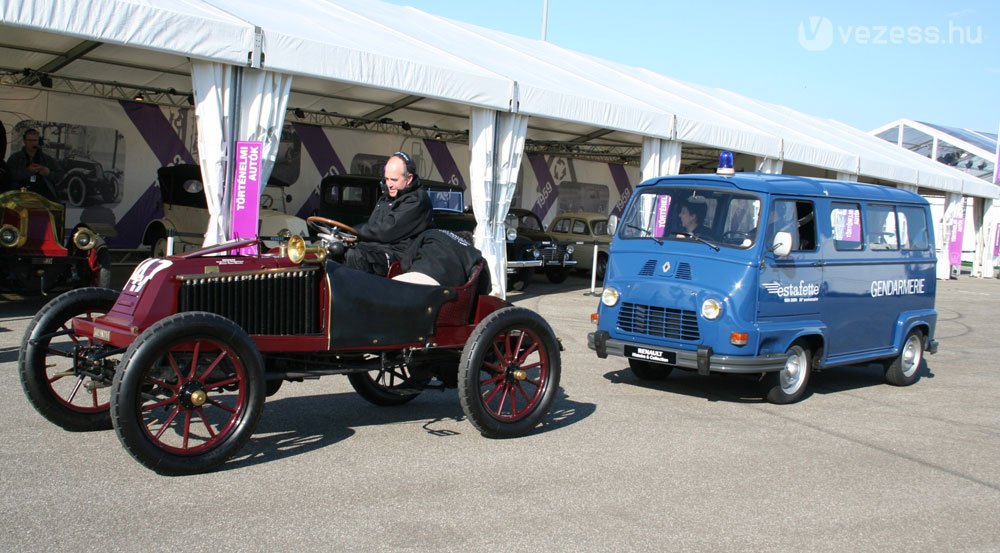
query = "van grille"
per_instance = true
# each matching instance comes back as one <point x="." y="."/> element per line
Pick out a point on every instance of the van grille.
<point x="269" y="303"/>
<point x="684" y="271"/>
<point x="647" y="269"/>
<point x="662" y="322"/>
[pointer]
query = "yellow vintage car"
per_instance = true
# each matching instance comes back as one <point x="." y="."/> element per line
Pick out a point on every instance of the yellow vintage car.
<point x="585" y="231"/>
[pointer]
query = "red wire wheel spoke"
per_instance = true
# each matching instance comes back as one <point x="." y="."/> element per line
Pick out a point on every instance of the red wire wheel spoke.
<point x="67" y="387"/>
<point x="205" y="405"/>
<point x="513" y="375"/>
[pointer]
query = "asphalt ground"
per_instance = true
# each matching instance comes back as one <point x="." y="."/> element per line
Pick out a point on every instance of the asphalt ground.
<point x="688" y="464"/>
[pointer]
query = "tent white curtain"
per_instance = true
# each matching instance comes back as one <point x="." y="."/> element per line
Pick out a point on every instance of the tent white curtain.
<point x="234" y="103"/>
<point x="496" y="142"/>
<point x="660" y="157"/>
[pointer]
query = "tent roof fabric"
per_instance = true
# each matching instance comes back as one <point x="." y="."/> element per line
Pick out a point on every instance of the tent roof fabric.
<point x="353" y="57"/>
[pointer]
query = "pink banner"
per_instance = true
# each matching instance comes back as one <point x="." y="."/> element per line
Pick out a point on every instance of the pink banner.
<point x="996" y="242"/>
<point x="662" y="208"/>
<point x="955" y="241"/>
<point x="851" y="230"/>
<point x="245" y="201"/>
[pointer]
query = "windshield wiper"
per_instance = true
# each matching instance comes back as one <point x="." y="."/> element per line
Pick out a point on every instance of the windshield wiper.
<point x="699" y="239"/>
<point x="658" y="241"/>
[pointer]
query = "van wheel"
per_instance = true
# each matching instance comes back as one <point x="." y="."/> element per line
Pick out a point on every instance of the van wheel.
<point x="645" y="370"/>
<point x="904" y="369"/>
<point x="789" y="384"/>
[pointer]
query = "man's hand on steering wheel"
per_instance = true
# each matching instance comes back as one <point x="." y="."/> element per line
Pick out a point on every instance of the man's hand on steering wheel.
<point x="334" y="230"/>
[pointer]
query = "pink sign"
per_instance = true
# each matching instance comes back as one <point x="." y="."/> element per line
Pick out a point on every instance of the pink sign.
<point x="996" y="242"/>
<point x="851" y="226"/>
<point x="955" y="241"/>
<point x="244" y="205"/>
<point x="662" y="208"/>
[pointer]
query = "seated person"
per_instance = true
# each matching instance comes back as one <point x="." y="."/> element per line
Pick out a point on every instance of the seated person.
<point x="439" y="258"/>
<point x="692" y="215"/>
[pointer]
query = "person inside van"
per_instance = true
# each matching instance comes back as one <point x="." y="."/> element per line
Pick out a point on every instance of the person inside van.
<point x="692" y="215"/>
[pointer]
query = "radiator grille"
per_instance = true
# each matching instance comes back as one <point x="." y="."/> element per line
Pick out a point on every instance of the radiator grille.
<point x="269" y="303"/>
<point x="662" y="322"/>
<point x="647" y="268"/>
<point x="684" y="271"/>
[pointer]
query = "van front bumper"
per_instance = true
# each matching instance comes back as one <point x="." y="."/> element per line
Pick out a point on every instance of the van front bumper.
<point x="703" y="360"/>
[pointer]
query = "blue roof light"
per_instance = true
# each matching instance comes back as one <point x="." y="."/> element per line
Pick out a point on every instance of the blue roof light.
<point x="725" y="164"/>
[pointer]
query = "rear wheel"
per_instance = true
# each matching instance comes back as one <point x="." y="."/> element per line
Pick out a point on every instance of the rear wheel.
<point x="509" y="373"/>
<point x="60" y="372"/>
<point x="789" y="384"/>
<point x="189" y="395"/>
<point x="386" y="387"/>
<point x="904" y="369"/>
<point x="646" y="370"/>
<point x="76" y="190"/>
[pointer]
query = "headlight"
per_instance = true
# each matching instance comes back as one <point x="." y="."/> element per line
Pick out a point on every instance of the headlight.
<point x="570" y="250"/>
<point x="609" y="297"/>
<point x="9" y="236"/>
<point x="711" y="309"/>
<point x="511" y="234"/>
<point x="535" y="253"/>
<point x="284" y="234"/>
<point x="84" y="239"/>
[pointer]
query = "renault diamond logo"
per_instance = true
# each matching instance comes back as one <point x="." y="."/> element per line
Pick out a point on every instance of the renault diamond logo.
<point x="666" y="266"/>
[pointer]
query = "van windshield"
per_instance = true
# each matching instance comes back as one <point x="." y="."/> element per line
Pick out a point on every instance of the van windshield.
<point x="717" y="216"/>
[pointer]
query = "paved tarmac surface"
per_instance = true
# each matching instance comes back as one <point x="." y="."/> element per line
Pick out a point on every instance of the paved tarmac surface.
<point x="689" y="464"/>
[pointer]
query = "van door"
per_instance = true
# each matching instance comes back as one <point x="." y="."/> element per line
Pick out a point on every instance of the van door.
<point x="791" y="286"/>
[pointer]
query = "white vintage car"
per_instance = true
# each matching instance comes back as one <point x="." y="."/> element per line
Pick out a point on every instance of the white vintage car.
<point x="584" y="231"/>
<point x="185" y="213"/>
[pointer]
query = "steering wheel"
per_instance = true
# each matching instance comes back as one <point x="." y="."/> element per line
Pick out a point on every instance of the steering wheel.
<point x="735" y="237"/>
<point x="333" y="228"/>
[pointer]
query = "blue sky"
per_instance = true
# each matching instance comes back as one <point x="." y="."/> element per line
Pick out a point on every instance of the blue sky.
<point x="863" y="63"/>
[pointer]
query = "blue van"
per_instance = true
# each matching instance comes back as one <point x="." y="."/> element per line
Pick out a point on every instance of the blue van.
<point x="767" y="274"/>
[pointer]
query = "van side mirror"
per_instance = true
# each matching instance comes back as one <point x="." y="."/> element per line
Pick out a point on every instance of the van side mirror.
<point x="612" y="225"/>
<point x="782" y="244"/>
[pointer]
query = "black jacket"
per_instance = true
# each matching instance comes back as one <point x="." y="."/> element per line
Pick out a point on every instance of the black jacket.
<point x="397" y="221"/>
<point x="443" y="255"/>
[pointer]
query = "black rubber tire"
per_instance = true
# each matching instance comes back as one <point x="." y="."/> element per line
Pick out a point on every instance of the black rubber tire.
<point x="904" y="369"/>
<point x="38" y="363"/>
<point x="385" y="388"/>
<point x="556" y="275"/>
<point x="232" y="401"/>
<point x="520" y="280"/>
<point x="479" y="381"/>
<point x="647" y="370"/>
<point x="789" y="384"/>
<point x="111" y="188"/>
<point x="602" y="266"/>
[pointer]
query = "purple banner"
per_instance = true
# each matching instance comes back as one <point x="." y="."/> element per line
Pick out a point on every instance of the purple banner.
<point x="323" y="155"/>
<point x="620" y="179"/>
<point x="660" y="214"/>
<point x="444" y="162"/>
<point x="996" y="241"/>
<point x="245" y="201"/>
<point x="162" y="138"/>
<point x="849" y="228"/>
<point x="547" y="190"/>
<point x="955" y="241"/>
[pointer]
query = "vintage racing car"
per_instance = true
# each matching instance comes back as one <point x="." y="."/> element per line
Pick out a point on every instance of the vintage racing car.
<point x="35" y="258"/>
<point x="179" y="362"/>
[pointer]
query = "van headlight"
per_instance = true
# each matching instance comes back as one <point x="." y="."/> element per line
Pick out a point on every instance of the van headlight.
<point x="609" y="296"/>
<point x="711" y="309"/>
<point x="9" y="236"/>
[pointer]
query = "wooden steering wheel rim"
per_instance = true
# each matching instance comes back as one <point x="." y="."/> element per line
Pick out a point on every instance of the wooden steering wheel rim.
<point x="335" y="224"/>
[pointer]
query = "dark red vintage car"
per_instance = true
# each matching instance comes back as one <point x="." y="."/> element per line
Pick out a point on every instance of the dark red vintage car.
<point x="179" y="362"/>
<point x="35" y="257"/>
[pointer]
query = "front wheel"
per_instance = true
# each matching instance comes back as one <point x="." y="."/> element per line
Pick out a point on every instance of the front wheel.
<point x="556" y="275"/>
<point x="66" y="377"/>
<point x="189" y="395"/>
<point x="509" y="373"/>
<point x="904" y="369"/>
<point x="789" y="384"/>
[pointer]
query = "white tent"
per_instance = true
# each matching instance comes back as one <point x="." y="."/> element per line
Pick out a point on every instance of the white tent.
<point x="367" y="60"/>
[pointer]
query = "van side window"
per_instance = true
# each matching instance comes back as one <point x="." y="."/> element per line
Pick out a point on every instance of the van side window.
<point x="845" y="219"/>
<point x="880" y="222"/>
<point x="797" y="218"/>
<point x="913" y="228"/>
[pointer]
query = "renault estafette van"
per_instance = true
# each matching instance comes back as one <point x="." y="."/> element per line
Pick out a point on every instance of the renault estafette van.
<point x="781" y="276"/>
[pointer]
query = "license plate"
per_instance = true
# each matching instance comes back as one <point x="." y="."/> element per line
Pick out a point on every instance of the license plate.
<point x="651" y="354"/>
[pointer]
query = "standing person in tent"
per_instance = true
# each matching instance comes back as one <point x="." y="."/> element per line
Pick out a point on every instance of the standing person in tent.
<point x="402" y="212"/>
<point x="33" y="169"/>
